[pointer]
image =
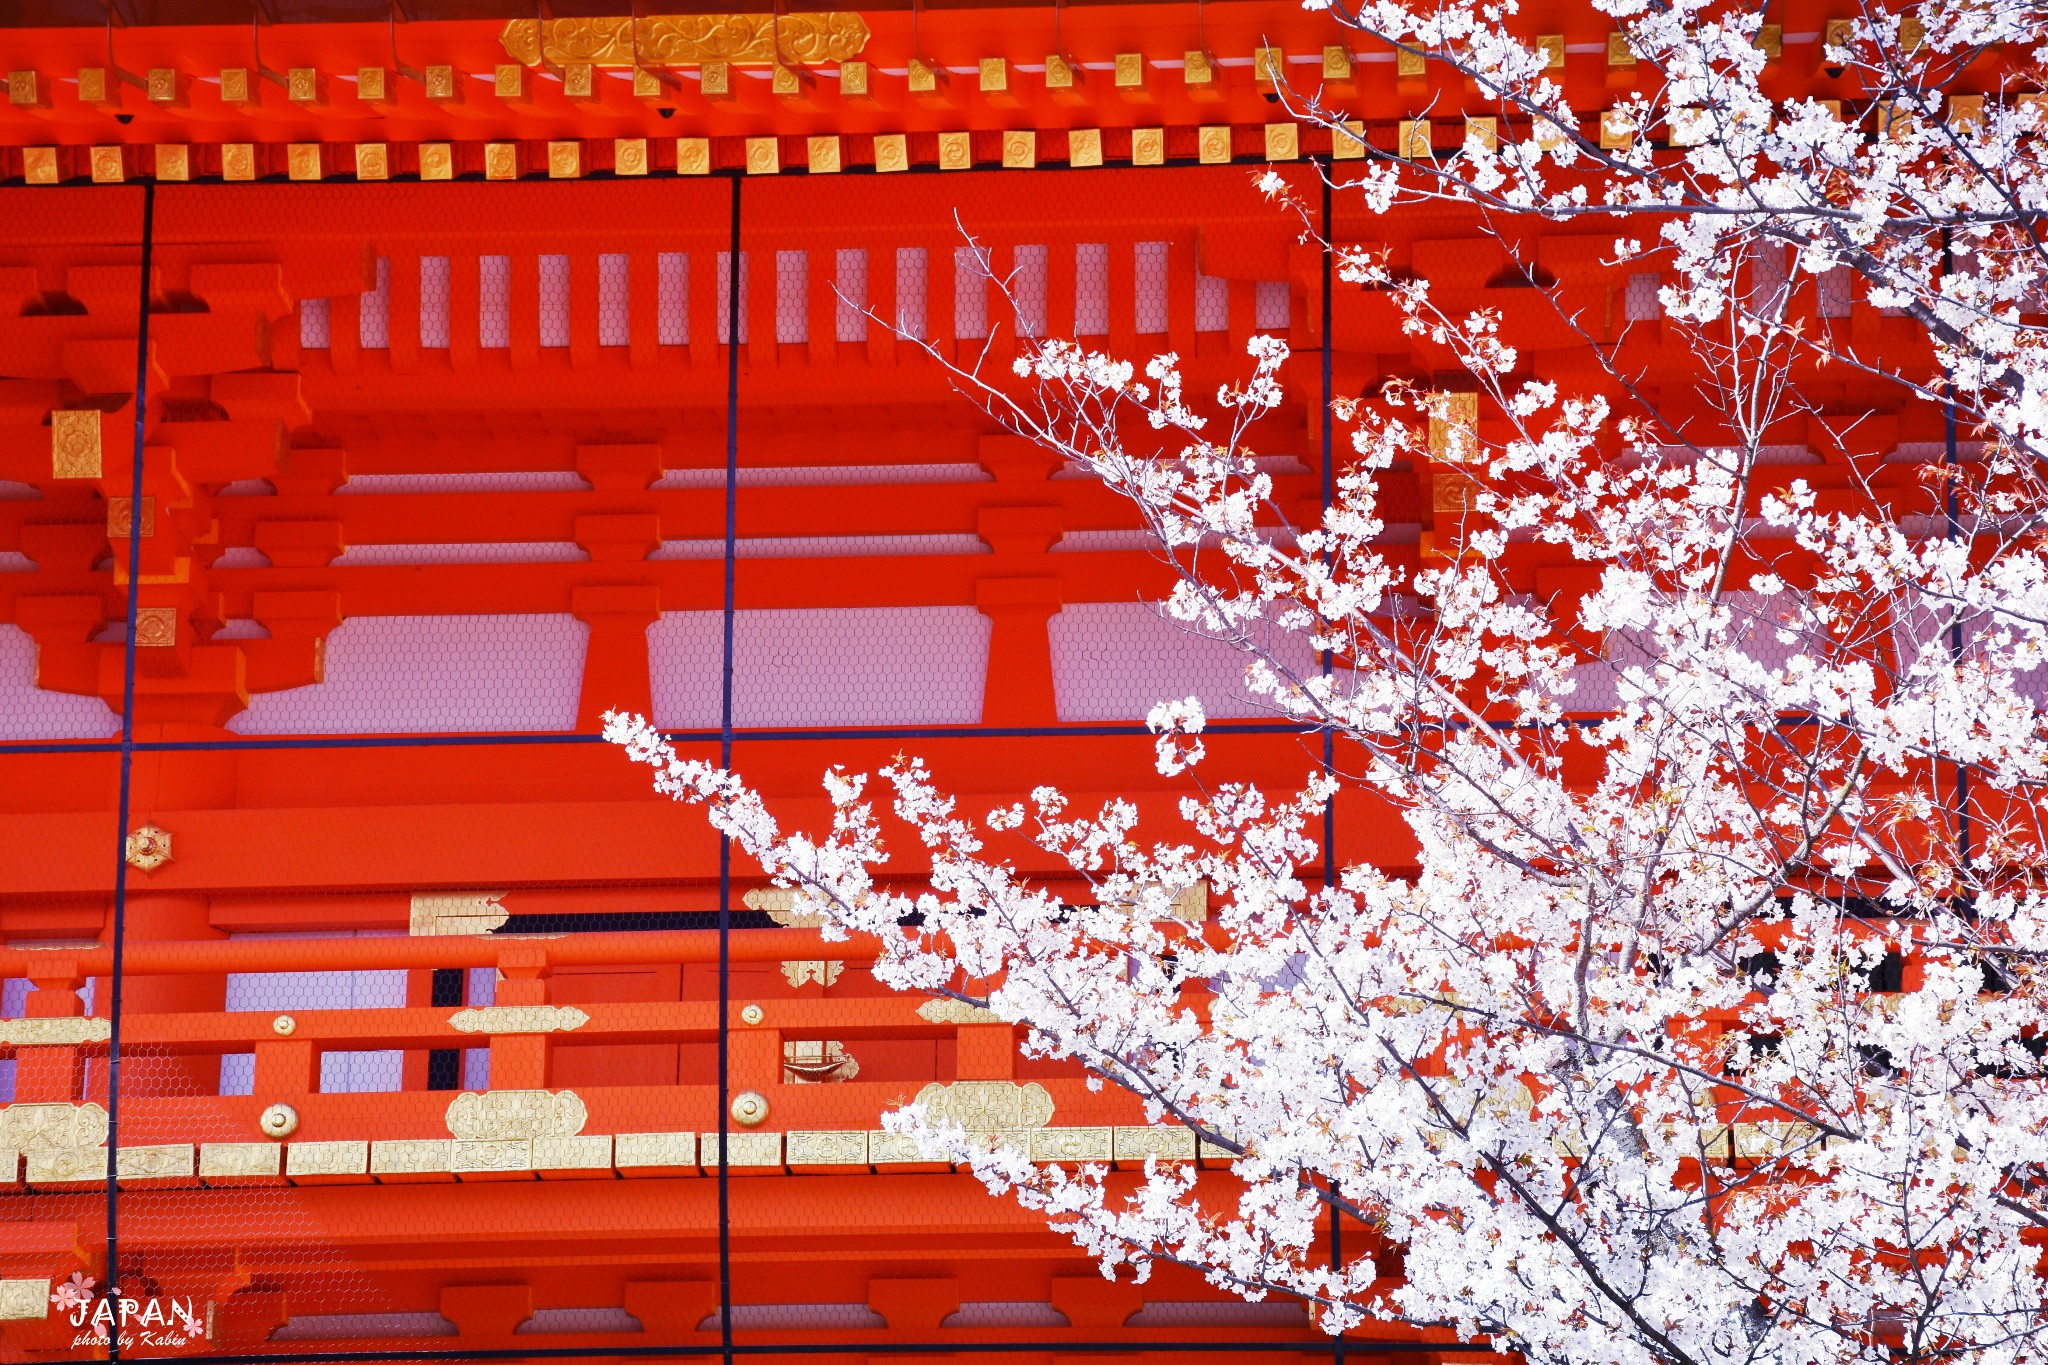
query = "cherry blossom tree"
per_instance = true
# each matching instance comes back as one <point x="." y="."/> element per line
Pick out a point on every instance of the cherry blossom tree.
<point x="1709" y="1027"/>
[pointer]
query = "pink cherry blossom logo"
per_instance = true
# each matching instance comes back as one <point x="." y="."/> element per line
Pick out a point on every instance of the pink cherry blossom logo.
<point x="75" y="1292"/>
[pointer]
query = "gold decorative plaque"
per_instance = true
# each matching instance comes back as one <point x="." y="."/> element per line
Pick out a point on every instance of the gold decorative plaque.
<point x="39" y="165"/>
<point x="168" y="1161"/>
<point x="503" y="1115"/>
<point x="495" y="1019"/>
<point x="1148" y="146"/>
<point x="373" y="161"/>
<point x="61" y="1032"/>
<point x="1283" y="142"/>
<point x="892" y="153"/>
<point x="156" y="628"/>
<point x="437" y="162"/>
<point x="240" y="1160"/>
<point x="682" y="39"/>
<point x="693" y="157"/>
<point x="827" y="1148"/>
<point x="824" y="155"/>
<point x="501" y="161"/>
<point x="1020" y="149"/>
<point x="984" y="1106"/>
<point x="1070" y="1144"/>
<point x="331" y="1160"/>
<point x="238" y="161"/>
<point x="764" y="155"/>
<point x="303" y="161"/>
<point x="956" y="151"/>
<point x="565" y="160"/>
<point x="1162" y="1142"/>
<point x="40" y="1127"/>
<point x="440" y="913"/>
<point x="1084" y="147"/>
<point x="75" y="444"/>
<point x="824" y="971"/>
<point x="1213" y="145"/>
<point x="24" y="1300"/>
<point x="173" y="161"/>
<point x="109" y="166"/>
<point x="629" y="156"/>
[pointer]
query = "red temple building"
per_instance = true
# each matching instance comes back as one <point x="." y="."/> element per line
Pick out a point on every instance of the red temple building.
<point x="448" y="443"/>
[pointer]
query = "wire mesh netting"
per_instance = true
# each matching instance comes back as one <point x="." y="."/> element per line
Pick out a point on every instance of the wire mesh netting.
<point x="414" y="1021"/>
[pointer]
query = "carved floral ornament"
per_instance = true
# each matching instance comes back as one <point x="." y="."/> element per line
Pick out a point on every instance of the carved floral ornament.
<point x="495" y="1019"/>
<point x="984" y="1106"/>
<point x="48" y="1127"/>
<point x="685" y="39"/>
<point x="505" y="1115"/>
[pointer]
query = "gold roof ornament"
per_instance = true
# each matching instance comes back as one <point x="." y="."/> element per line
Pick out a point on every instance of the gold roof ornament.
<point x="685" y="39"/>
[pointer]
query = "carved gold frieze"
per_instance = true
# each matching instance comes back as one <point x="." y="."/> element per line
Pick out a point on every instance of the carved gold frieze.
<point x="655" y="1153"/>
<point x="402" y="1158"/>
<point x="41" y="1127"/>
<point x="327" y="1160"/>
<point x="493" y="1155"/>
<point x="156" y="628"/>
<point x="1165" y="1142"/>
<point x="685" y="39"/>
<point x="949" y="1011"/>
<point x="438" y="914"/>
<point x="827" y="1148"/>
<point x="743" y="1149"/>
<point x="54" y="1032"/>
<point x="583" y="1152"/>
<point x="892" y="1149"/>
<point x="495" y="1019"/>
<point x="1070" y="1144"/>
<point x="24" y="1300"/>
<point x="495" y="1115"/>
<point x="240" y="1160"/>
<point x="67" y="1165"/>
<point x="75" y="444"/>
<point x="166" y="1161"/>
<point x="987" y="1105"/>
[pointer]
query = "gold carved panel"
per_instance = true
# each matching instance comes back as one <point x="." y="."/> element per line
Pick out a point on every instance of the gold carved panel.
<point x="327" y="1159"/>
<point x="67" y="1032"/>
<point x="584" y="1152"/>
<point x="168" y="1161"/>
<point x="75" y="444"/>
<point x="24" y="1300"/>
<point x="67" y="1165"/>
<point x="655" y="1153"/>
<point x="1070" y="1144"/>
<point x="685" y="39"/>
<point x="1165" y="1142"/>
<point x="439" y="913"/>
<point x="42" y="1127"/>
<point x="987" y="1105"/>
<point x="744" y="1149"/>
<point x="411" y="1157"/>
<point x="494" y="1019"/>
<point x="494" y="1154"/>
<point x="239" y="1160"/>
<point x="495" y="1115"/>
<point x="828" y="1148"/>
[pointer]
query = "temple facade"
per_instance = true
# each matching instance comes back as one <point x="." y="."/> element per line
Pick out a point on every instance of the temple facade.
<point x="385" y="398"/>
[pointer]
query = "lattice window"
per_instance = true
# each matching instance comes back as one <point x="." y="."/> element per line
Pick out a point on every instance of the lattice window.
<point x="850" y="286"/>
<point x="1091" y="289"/>
<point x="554" y="301"/>
<point x="1212" y="304"/>
<point x="1837" y="292"/>
<point x="1273" y="306"/>
<point x="792" y="297"/>
<point x="911" y="264"/>
<point x="614" y="309"/>
<point x="1150" y="306"/>
<point x="1028" y="287"/>
<point x="494" y="302"/>
<point x="434" y="303"/>
<point x="970" y="292"/>
<point x="313" y="315"/>
<point x="1641" y="301"/>
<point x="672" y="298"/>
<point x="725" y="298"/>
<point x="373" y="321"/>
